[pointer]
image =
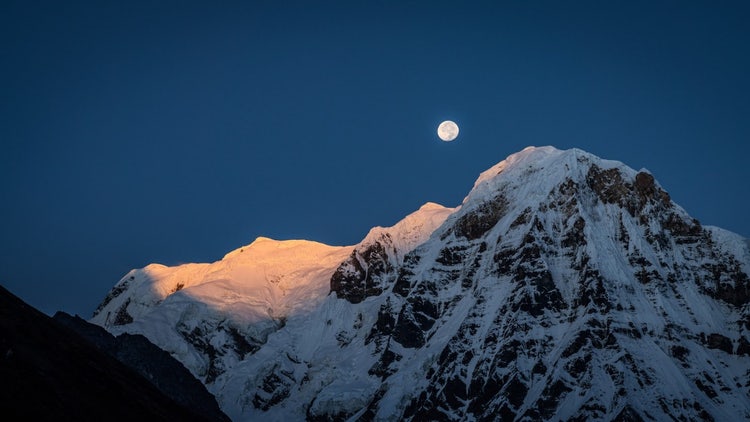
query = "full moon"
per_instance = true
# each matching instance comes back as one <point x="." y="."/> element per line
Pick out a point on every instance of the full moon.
<point x="447" y="131"/>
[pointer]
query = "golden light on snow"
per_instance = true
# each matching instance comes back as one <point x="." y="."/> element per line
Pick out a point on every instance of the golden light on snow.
<point x="447" y="131"/>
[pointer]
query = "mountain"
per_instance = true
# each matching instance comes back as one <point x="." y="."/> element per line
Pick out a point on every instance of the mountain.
<point x="49" y="372"/>
<point x="565" y="287"/>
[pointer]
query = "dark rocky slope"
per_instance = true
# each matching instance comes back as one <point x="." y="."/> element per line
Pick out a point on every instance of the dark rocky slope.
<point x="157" y="366"/>
<point x="49" y="372"/>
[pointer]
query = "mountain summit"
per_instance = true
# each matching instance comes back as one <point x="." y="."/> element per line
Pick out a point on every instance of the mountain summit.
<point x="565" y="287"/>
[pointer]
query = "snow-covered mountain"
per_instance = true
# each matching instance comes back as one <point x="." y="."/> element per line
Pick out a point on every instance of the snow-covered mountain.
<point x="565" y="287"/>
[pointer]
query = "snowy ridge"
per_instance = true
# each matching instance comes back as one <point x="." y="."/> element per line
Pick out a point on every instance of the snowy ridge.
<point x="372" y="266"/>
<point x="235" y="303"/>
<point x="210" y="316"/>
<point x="413" y="230"/>
<point x="267" y="276"/>
<point x="565" y="287"/>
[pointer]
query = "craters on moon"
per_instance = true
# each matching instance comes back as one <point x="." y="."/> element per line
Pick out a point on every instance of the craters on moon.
<point x="447" y="131"/>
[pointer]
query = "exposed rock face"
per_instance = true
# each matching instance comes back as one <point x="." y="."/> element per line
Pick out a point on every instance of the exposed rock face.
<point x="372" y="266"/>
<point x="565" y="287"/>
<point x="365" y="273"/>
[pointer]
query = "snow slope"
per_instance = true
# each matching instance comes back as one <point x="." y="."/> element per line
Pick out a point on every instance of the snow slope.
<point x="565" y="286"/>
<point x="210" y="316"/>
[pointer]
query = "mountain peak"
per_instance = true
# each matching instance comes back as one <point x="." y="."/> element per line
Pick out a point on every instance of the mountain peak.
<point x="548" y="162"/>
<point x="530" y="155"/>
<point x="267" y="246"/>
<point x="565" y="287"/>
<point x="431" y="206"/>
<point x="531" y="175"/>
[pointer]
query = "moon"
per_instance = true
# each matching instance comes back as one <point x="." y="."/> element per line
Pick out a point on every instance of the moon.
<point x="447" y="131"/>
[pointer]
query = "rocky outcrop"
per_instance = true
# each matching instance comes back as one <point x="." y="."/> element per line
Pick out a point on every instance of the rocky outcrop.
<point x="366" y="273"/>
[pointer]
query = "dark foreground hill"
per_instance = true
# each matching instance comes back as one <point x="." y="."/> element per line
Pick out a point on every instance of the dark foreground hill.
<point x="49" y="372"/>
<point x="154" y="364"/>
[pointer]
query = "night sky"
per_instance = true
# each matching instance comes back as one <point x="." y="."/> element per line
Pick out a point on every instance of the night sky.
<point x="175" y="132"/>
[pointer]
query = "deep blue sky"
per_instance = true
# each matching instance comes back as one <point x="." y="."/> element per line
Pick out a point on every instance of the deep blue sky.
<point x="135" y="133"/>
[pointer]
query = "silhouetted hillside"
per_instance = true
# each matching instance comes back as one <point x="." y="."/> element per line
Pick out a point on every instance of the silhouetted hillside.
<point x="49" y="372"/>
